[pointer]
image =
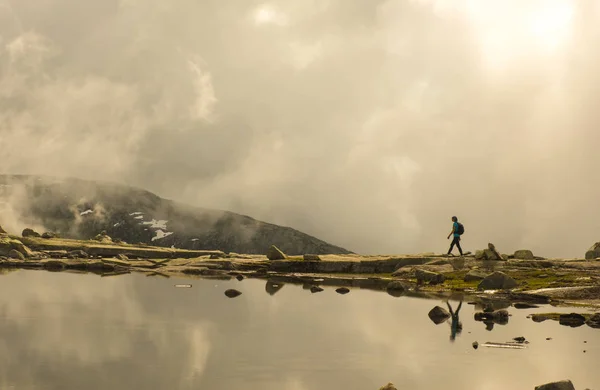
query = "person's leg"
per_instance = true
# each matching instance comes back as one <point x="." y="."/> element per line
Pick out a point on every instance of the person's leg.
<point x="458" y="245"/>
<point x="452" y="245"/>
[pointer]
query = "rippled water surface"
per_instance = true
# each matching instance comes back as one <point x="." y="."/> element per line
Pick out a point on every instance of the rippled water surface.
<point x="71" y="331"/>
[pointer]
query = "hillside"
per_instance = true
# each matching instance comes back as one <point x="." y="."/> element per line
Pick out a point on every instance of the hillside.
<point x="81" y="209"/>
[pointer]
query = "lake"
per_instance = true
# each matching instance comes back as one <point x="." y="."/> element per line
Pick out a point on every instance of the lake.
<point x="81" y="331"/>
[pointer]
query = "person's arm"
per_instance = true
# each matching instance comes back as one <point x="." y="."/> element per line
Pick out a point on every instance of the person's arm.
<point x="458" y="308"/>
<point x="451" y="233"/>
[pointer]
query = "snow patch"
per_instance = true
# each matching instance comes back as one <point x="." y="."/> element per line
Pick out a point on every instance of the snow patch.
<point x="160" y="234"/>
<point x="160" y="224"/>
<point x="195" y="239"/>
<point x="117" y="224"/>
<point x="137" y="213"/>
<point x="139" y="217"/>
<point x="86" y="212"/>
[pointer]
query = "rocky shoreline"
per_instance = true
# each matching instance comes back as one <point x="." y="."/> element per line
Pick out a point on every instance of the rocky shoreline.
<point x="532" y="280"/>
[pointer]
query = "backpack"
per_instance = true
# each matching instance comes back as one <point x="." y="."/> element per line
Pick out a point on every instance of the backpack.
<point x="461" y="229"/>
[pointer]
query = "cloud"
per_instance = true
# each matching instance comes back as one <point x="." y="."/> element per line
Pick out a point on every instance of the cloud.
<point x="366" y="124"/>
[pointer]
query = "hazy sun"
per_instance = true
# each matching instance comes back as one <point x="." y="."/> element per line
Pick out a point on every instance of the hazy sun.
<point x="266" y="14"/>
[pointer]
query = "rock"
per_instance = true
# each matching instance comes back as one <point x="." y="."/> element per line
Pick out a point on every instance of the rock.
<point x="492" y="253"/>
<point x="389" y="386"/>
<point x="27" y="232"/>
<point x="272" y="288"/>
<point x="15" y="254"/>
<point x="122" y="257"/>
<point x="524" y="254"/>
<point x="311" y="258"/>
<point x="428" y="276"/>
<point x="2" y="231"/>
<point x="593" y="252"/>
<point x="497" y="281"/>
<point x="562" y="385"/>
<point x="457" y="263"/>
<point x="275" y="254"/>
<point x="49" y="235"/>
<point x="7" y="244"/>
<point x="239" y="277"/>
<point x="573" y="320"/>
<point x="524" y="305"/>
<point x="78" y="254"/>
<point x="315" y="289"/>
<point x="438" y="315"/>
<point x="214" y="256"/>
<point x="594" y="321"/>
<point x="521" y="340"/>
<point x="55" y="265"/>
<point x="498" y="317"/>
<point x="342" y="290"/>
<point x="480" y="255"/>
<point x="232" y="293"/>
<point x="475" y="345"/>
<point x="395" y="286"/>
<point x="103" y="238"/>
<point x="474" y="275"/>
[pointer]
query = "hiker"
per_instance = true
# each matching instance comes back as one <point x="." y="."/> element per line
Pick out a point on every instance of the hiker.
<point x="456" y="326"/>
<point x="457" y="230"/>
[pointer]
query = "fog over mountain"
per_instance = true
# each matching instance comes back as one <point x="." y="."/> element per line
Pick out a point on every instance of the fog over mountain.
<point x="365" y="123"/>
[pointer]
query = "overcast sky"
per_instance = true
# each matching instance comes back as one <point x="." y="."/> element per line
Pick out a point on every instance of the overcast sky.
<point x="367" y="123"/>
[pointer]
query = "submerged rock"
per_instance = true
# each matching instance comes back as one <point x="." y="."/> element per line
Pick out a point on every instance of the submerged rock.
<point x="496" y="317"/>
<point x="594" y="321"/>
<point x="232" y="293"/>
<point x="275" y="253"/>
<point x="438" y="315"/>
<point x="395" y="288"/>
<point x="389" y="386"/>
<point x="497" y="281"/>
<point x="315" y="289"/>
<point x="342" y="290"/>
<point x="239" y="277"/>
<point x="27" y="232"/>
<point x="272" y="288"/>
<point x="524" y="305"/>
<point x="523" y="254"/>
<point x="562" y="385"/>
<point x="475" y="345"/>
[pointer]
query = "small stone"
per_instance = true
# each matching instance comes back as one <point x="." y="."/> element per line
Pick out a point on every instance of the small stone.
<point x="524" y="305"/>
<point x="475" y="344"/>
<point x="239" y="277"/>
<point x="232" y="293"/>
<point x="315" y="289"/>
<point x="548" y="338"/>
<point x="521" y="340"/>
<point x="342" y="290"/>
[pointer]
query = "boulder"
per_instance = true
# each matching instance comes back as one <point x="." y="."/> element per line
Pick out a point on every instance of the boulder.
<point x="275" y="253"/>
<point x="342" y="290"/>
<point x="474" y="275"/>
<point x="311" y="258"/>
<point x="389" y="386"/>
<point x="523" y="254"/>
<point x="562" y="385"/>
<point x="395" y="286"/>
<point x="272" y="288"/>
<point x="480" y="255"/>
<point x="15" y="254"/>
<point x="594" y="321"/>
<point x="315" y="289"/>
<point x="232" y="293"/>
<point x="7" y="244"/>
<point x="573" y="320"/>
<point x="103" y="238"/>
<point x="593" y="252"/>
<point x="457" y="263"/>
<point x="49" y="235"/>
<point x="27" y="232"/>
<point x="429" y="277"/>
<point x="239" y="277"/>
<point x="438" y="315"/>
<point x="497" y="281"/>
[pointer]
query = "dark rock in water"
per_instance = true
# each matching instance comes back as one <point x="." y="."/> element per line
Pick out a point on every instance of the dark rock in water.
<point x="27" y="232"/>
<point x="594" y="321"/>
<point x="524" y="305"/>
<point x="428" y="276"/>
<point x="389" y="386"/>
<point x="15" y="254"/>
<point x="497" y="281"/>
<point x="232" y="293"/>
<point x="475" y="345"/>
<point x="275" y="254"/>
<point x="315" y="289"/>
<point x="342" y="290"/>
<point x="573" y="320"/>
<point x="521" y="340"/>
<point x="496" y="317"/>
<point x="49" y="235"/>
<point x="395" y="286"/>
<point x="438" y="315"/>
<point x="239" y="277"/>
<point x="272" y="288"/>
<point x="474" y="275"/>
<point x="562" y="385"/>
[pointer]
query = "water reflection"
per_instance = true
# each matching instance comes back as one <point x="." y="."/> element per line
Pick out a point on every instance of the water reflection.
<point x="273" y="287"/>
<point x="68" y="331"/>
<point x="456" y="325"/>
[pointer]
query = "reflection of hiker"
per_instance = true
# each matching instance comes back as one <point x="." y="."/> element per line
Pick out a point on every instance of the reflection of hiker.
<point x="456" y="326"/>
<point x="457" y="230"/>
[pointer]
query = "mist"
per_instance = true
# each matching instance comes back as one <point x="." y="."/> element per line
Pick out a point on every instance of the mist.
<point x="368" y="124"/>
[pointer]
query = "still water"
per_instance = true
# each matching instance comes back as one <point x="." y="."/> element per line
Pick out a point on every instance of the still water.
<point x="69" y="331"/>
